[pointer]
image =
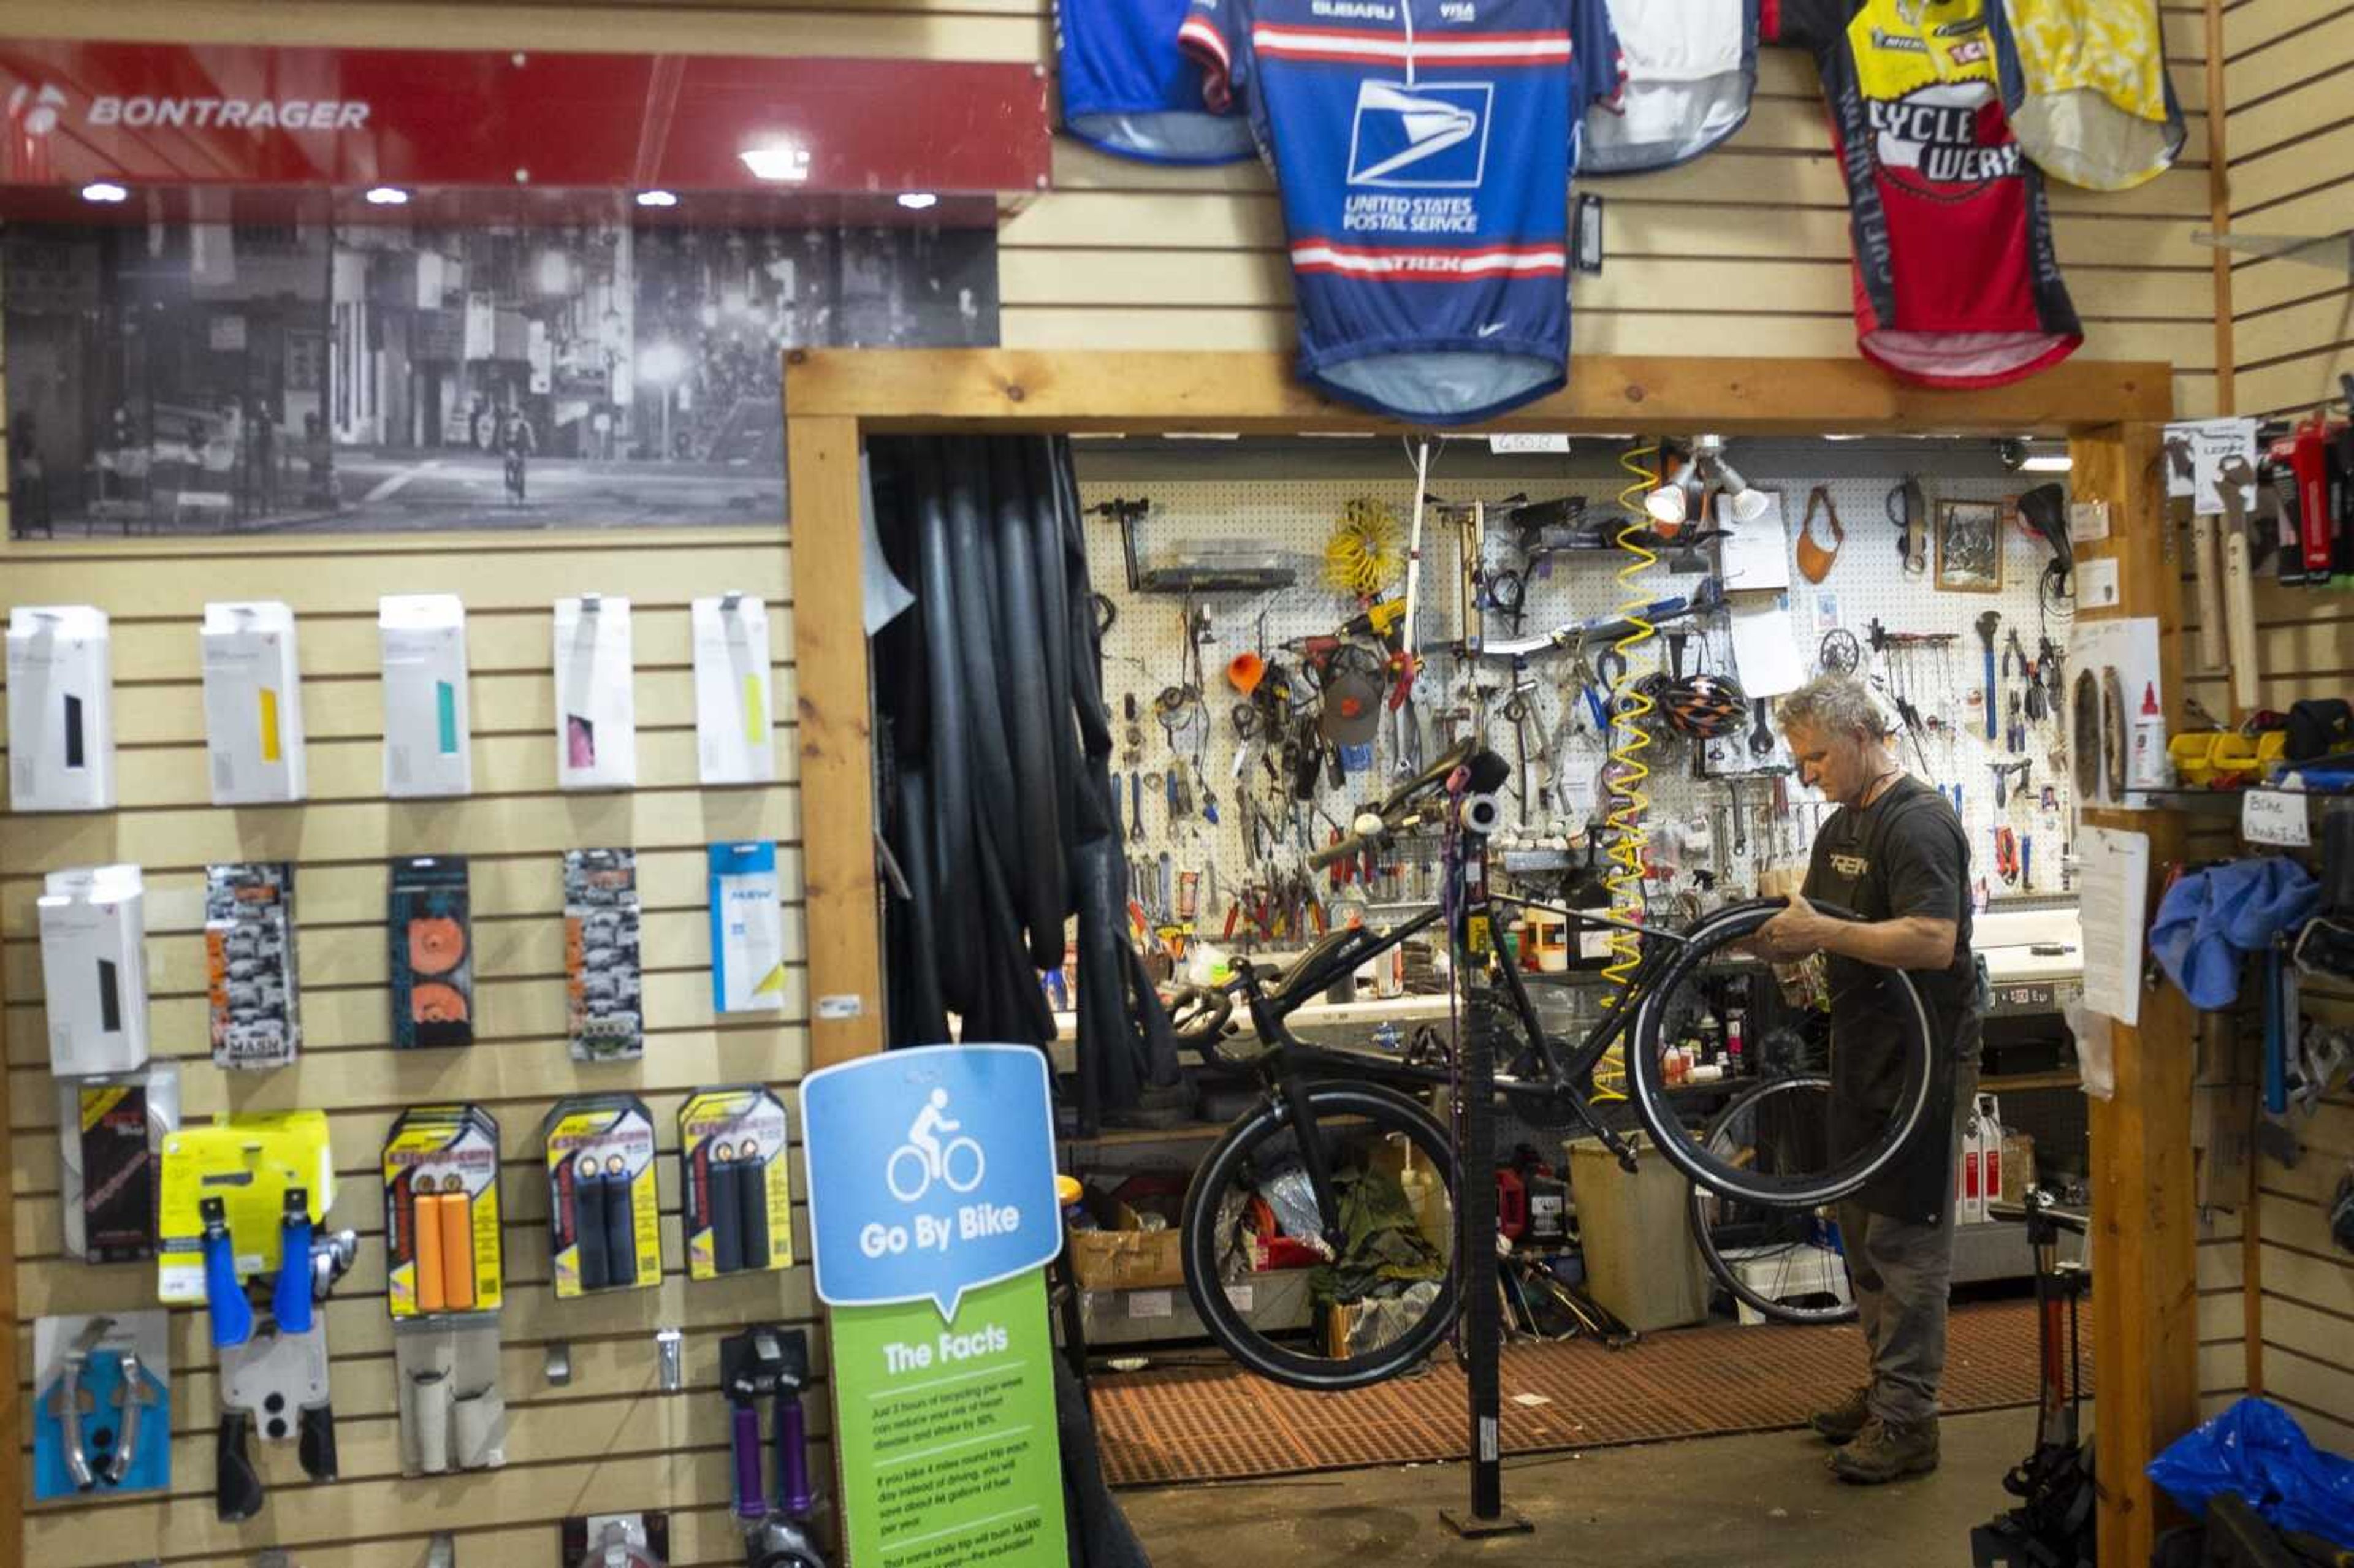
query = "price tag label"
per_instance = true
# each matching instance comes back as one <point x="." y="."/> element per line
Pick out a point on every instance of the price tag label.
<point x="2274" y="816"/>
<point x="1151" y="1304"/>
<point x="1527" y="442"/>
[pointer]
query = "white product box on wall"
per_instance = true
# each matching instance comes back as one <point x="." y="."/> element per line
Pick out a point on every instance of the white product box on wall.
<point x="94" y="922"/>
<point x="596" y="695"/>
<point x="426" y="729"/>
<point x="253" y="704"/>
<point x="60" y="709"/>
<point x="732" y="709"/>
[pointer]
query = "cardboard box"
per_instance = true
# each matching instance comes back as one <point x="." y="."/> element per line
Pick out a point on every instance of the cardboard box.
<point x="1127" y="1260"/>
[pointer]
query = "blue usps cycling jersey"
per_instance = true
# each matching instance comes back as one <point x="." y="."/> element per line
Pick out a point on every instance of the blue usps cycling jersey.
<point x="1128" y="89"/>
<point x="1424" y="150"/>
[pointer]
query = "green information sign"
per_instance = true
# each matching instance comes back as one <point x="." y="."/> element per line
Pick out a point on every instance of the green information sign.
<point x="948" y="1441"/>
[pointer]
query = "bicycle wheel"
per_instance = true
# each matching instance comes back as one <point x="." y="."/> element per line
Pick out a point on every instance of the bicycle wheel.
<point x="1391" y="1295"/>
<point x="1773" y="1259"/>
<point x="1680" y="992"/>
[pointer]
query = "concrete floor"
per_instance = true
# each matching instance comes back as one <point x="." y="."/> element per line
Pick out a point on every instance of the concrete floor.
<point x="1761" y="1501"/>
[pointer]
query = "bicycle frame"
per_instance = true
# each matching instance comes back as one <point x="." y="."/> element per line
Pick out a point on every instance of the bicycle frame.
<point x="1289" y="1061"/>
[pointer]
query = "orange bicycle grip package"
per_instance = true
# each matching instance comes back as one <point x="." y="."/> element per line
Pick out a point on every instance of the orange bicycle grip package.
<point x="456" y="1252"/>
<point x="431" y="1296"/>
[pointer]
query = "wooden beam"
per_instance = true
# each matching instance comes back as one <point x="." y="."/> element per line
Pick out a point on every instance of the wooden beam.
<point x="1009" y="390"/>
<point x="842" y="923"/>
<point x="2218" y="213"/>
<point x="2144" y="1265"/>
<point x="14" y="1411"/>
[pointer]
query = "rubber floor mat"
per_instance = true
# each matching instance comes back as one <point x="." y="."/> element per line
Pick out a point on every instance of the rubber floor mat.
<point x="1220" y="1423"/>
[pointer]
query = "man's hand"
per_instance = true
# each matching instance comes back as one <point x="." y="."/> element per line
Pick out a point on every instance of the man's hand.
<point x="1794" y="934"/>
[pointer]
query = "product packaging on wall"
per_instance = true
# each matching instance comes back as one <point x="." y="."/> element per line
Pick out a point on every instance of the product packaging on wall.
<point x="442" y="1211"/>
<point x="748" y="929"/>
<point x="60" y="709"/>
<point x="596" y="696"/>
<point x="111" y="1133"/>
<point x="445" y="1286"/>
<point x="604" y="1222"/>
<point x="732" y="1187"/>
<point x="253" y="704"/>
<point x="102" y="1405"/>
<point x="425" y="727"/>
<point x="604" y="981"/>
<point x="250" y="964"/>
<point x="430" y="922"/>
<point x="93" y="924"/>
<point x="732" y="710"/>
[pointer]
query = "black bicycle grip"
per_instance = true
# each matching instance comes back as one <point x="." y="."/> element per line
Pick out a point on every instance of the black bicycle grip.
<point x="316" y="1446"/>
<point x="588" y="1200"/>
<point x="237" y="1485"/>
<point x="752" y="1192"/>
<point x="724" y="1210"/>
<point x="621" y="1233"/>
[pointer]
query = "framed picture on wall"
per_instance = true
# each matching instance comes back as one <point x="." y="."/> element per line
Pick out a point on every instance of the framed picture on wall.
<point x="1969" y="546"/>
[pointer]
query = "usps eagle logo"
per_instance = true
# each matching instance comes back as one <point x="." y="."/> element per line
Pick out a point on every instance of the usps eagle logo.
<point x="1420" y="137"/>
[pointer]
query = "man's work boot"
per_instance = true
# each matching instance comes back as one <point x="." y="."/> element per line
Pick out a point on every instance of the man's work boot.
<point x="1841" y="1422"/>
<point x="1883" y="1452"/>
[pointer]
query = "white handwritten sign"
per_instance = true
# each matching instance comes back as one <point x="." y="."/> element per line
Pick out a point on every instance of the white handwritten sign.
<point x="2274" y="816"/>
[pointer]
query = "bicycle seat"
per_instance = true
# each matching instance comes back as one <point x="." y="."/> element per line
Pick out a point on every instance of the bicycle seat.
<point x="1296" y="985"/>
<point x="1430" y="777"/>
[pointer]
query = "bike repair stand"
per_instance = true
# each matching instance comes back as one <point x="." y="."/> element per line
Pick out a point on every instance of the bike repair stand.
<point x="1475" y="1213"/>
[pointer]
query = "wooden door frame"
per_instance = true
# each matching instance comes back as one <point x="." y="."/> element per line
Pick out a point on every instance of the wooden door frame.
<point x="2146" y="1301"/>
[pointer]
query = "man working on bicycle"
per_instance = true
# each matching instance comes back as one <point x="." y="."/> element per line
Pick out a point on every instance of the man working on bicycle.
<point x="1895" y="853"/>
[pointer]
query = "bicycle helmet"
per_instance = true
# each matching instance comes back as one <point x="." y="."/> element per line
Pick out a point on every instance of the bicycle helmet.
<point x="1704" y="706"/>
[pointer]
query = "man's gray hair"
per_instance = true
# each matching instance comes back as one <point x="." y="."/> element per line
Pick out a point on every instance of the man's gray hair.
<point x="1835" y="705"/>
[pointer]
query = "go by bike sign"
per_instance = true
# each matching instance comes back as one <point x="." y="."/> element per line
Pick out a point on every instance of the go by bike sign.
<point x="931" y="1172"/>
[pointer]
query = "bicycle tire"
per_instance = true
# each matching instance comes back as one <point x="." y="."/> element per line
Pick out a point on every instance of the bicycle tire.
<point x="1709" y="1219"/>
<point x="1387" y="1112"/>
<point x="1658" y="1108"/>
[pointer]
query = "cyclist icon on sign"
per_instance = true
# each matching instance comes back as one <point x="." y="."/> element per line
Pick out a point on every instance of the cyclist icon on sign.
<point x="958" y="1162"/>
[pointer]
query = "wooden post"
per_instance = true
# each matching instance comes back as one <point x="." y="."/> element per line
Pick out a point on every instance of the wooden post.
<point x="13" y="1408"/>
<point x="2145" y="1264"/>
<point x="838" y="822"/>
<point x="2219" y="214"/>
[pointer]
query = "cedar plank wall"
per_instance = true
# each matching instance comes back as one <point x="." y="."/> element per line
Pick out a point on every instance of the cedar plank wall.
<point x="2289" y="83"/>
<point x="1746" y="249"/>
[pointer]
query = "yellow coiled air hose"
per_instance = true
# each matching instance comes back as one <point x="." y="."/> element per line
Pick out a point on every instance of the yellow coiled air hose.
<point x="1624" y="777"/>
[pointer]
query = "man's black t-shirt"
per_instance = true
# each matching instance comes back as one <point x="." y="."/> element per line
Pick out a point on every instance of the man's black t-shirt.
<point x="1905" y="854"/>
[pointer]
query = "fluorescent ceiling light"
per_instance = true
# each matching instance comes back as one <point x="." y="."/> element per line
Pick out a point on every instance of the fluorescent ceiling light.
<point x="916" y="201"/>
<point x="388" y="196"/>
<point x="104" y="190"/>
<point x="657" y="198"/>
<point x="782" y="162"/>
<point x="2048" y="463"/>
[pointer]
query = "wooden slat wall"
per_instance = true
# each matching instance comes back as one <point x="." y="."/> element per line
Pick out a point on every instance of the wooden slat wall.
<point x="2289" y="81"/>
<point x="608" y="1440"/>
<point x="1743" y="252"/>
<point x="2288" y="73"/>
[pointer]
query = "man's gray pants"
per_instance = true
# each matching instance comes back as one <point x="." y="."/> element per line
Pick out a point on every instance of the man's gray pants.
<point x="1900" y="1270"/>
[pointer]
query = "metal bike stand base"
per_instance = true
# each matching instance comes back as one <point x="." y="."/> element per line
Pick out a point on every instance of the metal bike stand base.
<point x="1471" y="1527"/>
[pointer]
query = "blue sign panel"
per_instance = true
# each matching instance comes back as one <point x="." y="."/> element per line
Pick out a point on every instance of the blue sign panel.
<point x="931" y="1172"/>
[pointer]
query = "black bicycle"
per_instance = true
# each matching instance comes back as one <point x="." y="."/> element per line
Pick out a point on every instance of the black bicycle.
<point x="1338" y="1168"/>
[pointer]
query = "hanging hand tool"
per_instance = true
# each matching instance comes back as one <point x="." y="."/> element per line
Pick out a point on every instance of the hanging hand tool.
<point x="1987" y="624"/>
<point x="2239" y="581"/>
<point x="2006" y="855"/>
<point x="2014" y="731"/>
<point x="1760" y="738"/>
<point x="2206" y="570"/>
<point x="276" y="1376"/>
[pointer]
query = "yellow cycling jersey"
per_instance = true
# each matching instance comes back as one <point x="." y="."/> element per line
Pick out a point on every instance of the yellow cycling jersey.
<point x="2086" y="86"/>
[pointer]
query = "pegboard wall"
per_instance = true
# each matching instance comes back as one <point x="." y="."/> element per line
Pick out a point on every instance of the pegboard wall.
<point x="1286" y="502"/>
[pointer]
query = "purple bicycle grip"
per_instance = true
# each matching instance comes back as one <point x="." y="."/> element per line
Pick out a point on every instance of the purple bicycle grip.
<point x="793" y="1457"/>
<point x="745" y="1442"/>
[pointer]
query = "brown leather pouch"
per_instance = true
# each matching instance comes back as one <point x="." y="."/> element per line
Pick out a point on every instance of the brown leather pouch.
<point x="1813" y="559"/>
